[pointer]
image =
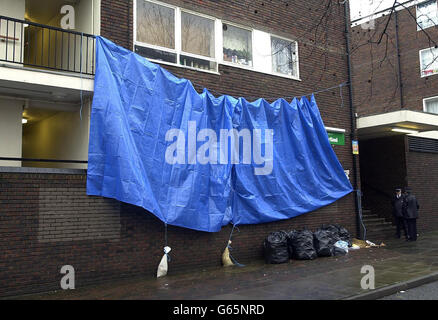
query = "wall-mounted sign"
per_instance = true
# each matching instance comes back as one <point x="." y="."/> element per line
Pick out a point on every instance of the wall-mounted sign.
<point x="336" y="138"/>
<point x="355" y="145"/>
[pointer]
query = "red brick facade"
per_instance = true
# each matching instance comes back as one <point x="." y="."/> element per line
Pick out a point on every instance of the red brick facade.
<point x="48" y="221"/>
<point x="375" y="67"/>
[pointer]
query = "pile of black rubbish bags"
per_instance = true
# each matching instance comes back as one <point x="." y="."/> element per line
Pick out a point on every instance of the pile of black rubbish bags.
<point x="280" y="246"/>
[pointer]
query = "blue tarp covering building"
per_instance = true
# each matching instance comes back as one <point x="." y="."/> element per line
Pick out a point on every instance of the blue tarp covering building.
<point x="199" y="161"/>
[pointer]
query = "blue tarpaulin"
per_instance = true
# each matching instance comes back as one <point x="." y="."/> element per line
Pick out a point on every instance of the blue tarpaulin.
<point x="199" y="161"/>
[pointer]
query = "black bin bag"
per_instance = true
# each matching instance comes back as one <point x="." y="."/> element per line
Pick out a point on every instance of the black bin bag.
<point x="275" y="248"/>
<point x="324" y="241"/>
<point x="302" y="245"/>
<point x="339" y="232"/>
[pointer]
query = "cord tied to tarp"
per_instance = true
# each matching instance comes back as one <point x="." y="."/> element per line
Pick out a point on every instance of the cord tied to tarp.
<point x="163" y="266"/>
<point x="227" y="258"/>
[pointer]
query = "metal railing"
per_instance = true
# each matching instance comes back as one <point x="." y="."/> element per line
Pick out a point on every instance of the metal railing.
<point x="40" y="46"/>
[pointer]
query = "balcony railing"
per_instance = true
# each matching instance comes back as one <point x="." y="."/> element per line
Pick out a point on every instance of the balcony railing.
<point x="40" y="46"/>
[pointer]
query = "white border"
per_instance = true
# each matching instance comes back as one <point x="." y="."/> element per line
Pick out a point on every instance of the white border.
<point x="416" y="15"/>
<point x="424" y="103"/>
<point x="421" y="62"/>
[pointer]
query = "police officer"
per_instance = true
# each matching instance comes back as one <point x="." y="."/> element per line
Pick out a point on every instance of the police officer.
<point x="397" y="210"/>
<point x="410" y="213"/>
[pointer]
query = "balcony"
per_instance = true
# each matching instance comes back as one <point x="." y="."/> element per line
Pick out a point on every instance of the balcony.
<point x="33" y="45"/>
<point x="46" y="86"/>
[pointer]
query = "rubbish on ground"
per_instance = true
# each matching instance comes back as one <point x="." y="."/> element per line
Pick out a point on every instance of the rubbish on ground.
<point x="372" y="244"/>
<point x="226" y="260"/>
<point x="275" y="248"/>
<point x="302" y="245"/>
<point x="360" y="243"/>
<point x="341" y="247"/>
<point x="338" y="232"/>
<point x="354" y="247"/>
<point x="324" y="241"/>
<point x="162" y="267"/>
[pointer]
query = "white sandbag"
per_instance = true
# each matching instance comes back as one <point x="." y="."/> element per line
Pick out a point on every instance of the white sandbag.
<point x="162" y="267"/>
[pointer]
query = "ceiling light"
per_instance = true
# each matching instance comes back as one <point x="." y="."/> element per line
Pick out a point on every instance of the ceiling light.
<point x="404" y="130"/>
<point x="23" y="121"/>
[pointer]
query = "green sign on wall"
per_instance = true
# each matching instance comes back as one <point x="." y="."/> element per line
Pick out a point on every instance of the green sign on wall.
<point x="336" y="138"/>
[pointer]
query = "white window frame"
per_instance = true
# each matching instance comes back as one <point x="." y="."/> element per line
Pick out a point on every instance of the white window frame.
<point x="227" y="63"/>
<point x="218" y="31"/>
<point x="416" y="16"/>
<point x="297" y="76"/>
<point x="177" y="32"/>
<point x="425" y="101"/>
<point x="421" y="63"/>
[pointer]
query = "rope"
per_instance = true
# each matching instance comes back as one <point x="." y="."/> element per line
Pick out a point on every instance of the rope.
<point x="230" y="248"/>
<point x="165" y="243"/>
<point x="343" y="84"/>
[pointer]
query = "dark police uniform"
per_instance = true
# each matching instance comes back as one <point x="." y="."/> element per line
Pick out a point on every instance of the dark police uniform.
<point x="397" y="211"/>
<point x="410" y="212"/>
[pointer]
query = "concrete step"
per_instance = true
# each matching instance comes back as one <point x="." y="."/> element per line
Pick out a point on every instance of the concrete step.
<point x="373" y="219"/>
<point x="377" y="224"/>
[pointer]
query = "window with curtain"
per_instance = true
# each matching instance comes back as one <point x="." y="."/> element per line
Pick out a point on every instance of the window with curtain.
<point x="431" y="105"/>
<point x="197" y="35"/>
<point x="237" y="45"/>
<point x="427" y="14"/>
<point x="429" y="61"/>
<point x="284" y="56"/>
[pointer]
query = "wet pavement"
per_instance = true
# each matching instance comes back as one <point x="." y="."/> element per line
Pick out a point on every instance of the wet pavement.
<point x="322" y="278"/>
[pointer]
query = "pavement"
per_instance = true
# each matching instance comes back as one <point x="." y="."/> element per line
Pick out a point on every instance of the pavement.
<point x="399" y="265"/>
<point x="424" y="292"/>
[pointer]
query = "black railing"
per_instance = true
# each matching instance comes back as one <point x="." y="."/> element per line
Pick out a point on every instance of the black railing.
<point x="40" y="46"/>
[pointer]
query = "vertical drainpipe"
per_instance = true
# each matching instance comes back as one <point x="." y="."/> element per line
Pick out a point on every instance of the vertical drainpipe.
<point x="357" y="192"/>
<point x="400" y="84"/>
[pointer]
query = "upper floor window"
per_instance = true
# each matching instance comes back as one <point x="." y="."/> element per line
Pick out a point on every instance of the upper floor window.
<point x="237" y="45"/>
<point x="431" y="105"/>
<point x="429" y="61"/>
<point x="427" y="14"/>
<point x="165" y="33"/>
<point x="169" y="34"/>
<point x="283" y="56"/>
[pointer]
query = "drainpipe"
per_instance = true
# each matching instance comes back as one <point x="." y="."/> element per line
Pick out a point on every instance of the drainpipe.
<point x="357" y="192"/>
<point x="400" y="84"/>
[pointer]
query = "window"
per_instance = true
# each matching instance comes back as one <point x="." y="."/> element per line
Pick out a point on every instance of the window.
<point x="171" y="35"/>
<point x="167" y="34"/>
<point x="284" y="56"/>
<point x="237" y="45"/>
<point x="197" y="41"/>
<point x="156" y="27"/>
<point x="429" y="61"/>
<point x="427" y="14"/>
<point x="430" y="105"/>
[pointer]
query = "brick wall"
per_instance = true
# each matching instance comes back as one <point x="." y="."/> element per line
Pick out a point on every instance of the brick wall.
<point x="422" y="171"/>
<point x="375" y="66"/>
<point x="47" y="221"/>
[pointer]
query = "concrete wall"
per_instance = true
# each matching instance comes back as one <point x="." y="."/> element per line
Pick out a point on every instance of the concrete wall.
<point x="63" y="136"/>
<point x="10" y="130"/>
